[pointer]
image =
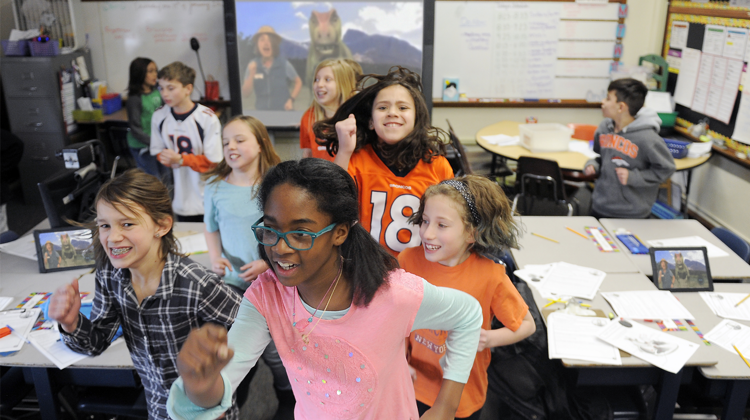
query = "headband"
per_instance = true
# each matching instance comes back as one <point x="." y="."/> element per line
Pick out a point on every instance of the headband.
<point x="464" y="191"/>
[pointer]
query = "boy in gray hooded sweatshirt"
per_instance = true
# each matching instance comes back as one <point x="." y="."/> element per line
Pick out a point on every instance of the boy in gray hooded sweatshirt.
<point x="634" y="159"/>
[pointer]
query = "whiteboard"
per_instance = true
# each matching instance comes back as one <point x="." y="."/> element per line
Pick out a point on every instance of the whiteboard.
<point x="510" y="49"/>
<point x="161" y="31"/>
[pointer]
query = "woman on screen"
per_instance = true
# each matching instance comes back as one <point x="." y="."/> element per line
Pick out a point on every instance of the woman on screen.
<point x="269" y="75"/>
<point x="665" y="277"/>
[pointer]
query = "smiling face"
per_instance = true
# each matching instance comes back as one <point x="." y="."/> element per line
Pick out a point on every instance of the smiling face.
<point x="445" y="238"/>
<point x="324" y="87"/>
<point x="393" y="114"/>
<point x="664" y="265"/>
<point x="48" y="245"/>
<point x="129" y="241"/>
<point x="265" y="48"/>
<point x="292" y="208"/>
<point x="241" y="148"/>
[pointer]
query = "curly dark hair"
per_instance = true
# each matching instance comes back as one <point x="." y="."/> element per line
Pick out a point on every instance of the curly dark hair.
<point x="424" y="143"/>
<point x="366" y="263"/>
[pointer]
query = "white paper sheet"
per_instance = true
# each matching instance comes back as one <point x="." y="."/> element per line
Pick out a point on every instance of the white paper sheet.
<point x="647" y="304"/>
<point x="658" y="101"/>
<point x="713" y="250"/>
<point x="21" y="324"/>
<point x="4" y="301"/>
<point x="48" y="343"/>
<point x="713" y="39"/>
<point x="706" y="68"/>
<point x="502" y="140"/>
<point x="660" y="349"/>
<point x="700" y="97"/>
<point x="582" y="147"/>
<point x="722" y="304"/>
<point x="685" y="88"/>
<point x="678" y="38"/>
<point x="735" y="42"/>
<point x="574" y="337"/>
<point x="22" y="247"/>
<point x="729" y="332"/>
<point x="742" y="124"/>
<point x="563" y="279"/>
<point x="193" y="244"/>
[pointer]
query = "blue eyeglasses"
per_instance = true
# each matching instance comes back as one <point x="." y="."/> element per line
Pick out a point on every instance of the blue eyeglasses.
<point x="298" y="240"/>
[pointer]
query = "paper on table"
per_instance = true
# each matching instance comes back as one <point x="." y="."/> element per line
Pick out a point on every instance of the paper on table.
<point x="22" y="247"/>
<point x="685" y="88"/>
<point x="21" y="322"/>
<point x="502" y="140"/>
<point x="49" y="344"/>
<point x="564" y="279"/>
<point x="4" y="301"/>
<point x="678" y="38"/>
<point x="574" y="337"/>
<point x="582" y="147"/>
<point x="722" y="304"/>
<point x="647" y="304"/>
<point x="713" y="39"/>
<point x="660" y="349"/>
<point x="727" y="332"/>
<point x="734" y="44"/>
<point x="713" y="250"/>
<point x="193" y="244"/>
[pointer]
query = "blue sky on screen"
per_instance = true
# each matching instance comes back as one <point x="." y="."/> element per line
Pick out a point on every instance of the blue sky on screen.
<point x="686" y="255"/>
<point x="402" y="20"/>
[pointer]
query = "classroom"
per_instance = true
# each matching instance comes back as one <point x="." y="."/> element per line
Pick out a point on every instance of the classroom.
<point x="624" y="302"/>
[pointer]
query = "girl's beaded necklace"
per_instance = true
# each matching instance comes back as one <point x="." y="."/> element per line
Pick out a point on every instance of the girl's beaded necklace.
<point x="332" y="289"/>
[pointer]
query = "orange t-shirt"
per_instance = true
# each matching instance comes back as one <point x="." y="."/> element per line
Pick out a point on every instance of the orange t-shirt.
<point x="487" y="282"/>
<point x="386" y="200"/>
<point x="307" y="136"/>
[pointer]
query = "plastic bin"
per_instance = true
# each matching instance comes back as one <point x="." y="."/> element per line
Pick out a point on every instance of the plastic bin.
<point x="44" y="49"/>
<point x="15" y="48"/>
<point x="668" y="118"/>
<point x="540" y="138"/>
<point x="111" y="103"/>
<point x="87" y="116"/>
<point x="678" y="148"/>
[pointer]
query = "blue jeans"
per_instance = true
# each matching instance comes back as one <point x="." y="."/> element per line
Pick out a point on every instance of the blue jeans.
<point x="147" y="163"/>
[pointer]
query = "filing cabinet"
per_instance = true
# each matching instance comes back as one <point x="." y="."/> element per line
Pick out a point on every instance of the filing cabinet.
<point x="32" y="96"/>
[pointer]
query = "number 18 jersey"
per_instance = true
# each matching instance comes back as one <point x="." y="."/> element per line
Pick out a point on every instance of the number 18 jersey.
<point x="386" y="201"/>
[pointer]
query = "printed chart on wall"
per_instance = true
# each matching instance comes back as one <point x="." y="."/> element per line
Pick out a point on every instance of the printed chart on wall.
<point x="161" y="30"/>
<point x="708" y="56"/>
<point x="509" y="49"/>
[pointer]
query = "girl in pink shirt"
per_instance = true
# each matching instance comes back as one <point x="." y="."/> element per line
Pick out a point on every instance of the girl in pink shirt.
<point x="337" y="307"/>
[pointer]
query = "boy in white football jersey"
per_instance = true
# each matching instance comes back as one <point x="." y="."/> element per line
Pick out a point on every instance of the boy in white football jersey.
<point x="186" y="137"/>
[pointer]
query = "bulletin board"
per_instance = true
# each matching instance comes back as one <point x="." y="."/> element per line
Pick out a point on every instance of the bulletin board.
<point x="527" y="53"/>
<point x="706" y="75"/>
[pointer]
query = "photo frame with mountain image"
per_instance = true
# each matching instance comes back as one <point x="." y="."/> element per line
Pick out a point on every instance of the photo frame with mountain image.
<point x="64" y="248"/>
<point x="687" y="269"/>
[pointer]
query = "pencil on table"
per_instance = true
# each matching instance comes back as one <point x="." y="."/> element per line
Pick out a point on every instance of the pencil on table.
<point x="544" y="237"/>
<point x="577" y="233"/>
<point x="743" y="357"/>
<point x="88" y="272"/>
<point x="743" y="299"/>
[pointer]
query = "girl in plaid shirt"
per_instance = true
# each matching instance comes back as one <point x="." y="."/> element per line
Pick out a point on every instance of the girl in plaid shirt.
<point x="144" y="285"/>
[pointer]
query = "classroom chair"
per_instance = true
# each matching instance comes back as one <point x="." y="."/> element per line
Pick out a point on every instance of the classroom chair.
<point x="539" y="188"/>
<point x="456" y="154"/>
<point x="734" y="242"/>
<point x="118" y="138"/>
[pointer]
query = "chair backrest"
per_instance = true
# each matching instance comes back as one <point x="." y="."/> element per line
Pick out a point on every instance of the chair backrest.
<point x="734" y="242"/>
<point x="461" y="160"/>
<point x="539" y="180"/>
<point x="583" y="132"/>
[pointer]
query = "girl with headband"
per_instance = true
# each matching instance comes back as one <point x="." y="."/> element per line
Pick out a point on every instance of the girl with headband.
<point x="462" y="221"/>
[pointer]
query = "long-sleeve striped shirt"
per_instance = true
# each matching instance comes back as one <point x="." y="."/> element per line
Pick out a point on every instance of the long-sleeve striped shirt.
<point x="188" y="296"/>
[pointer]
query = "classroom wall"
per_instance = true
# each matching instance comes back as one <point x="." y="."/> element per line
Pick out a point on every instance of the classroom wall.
<point x="6" y="18"/>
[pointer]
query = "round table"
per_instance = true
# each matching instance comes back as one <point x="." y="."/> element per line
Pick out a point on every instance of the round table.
<point x="571" y="161"/>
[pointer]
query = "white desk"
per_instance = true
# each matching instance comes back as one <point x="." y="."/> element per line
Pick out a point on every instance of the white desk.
<point x="20" y="277"/>
<point x="571" y="247"/>
<point x="729" y="267"/>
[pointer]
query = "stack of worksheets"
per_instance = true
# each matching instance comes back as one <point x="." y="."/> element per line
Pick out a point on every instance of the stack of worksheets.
<point x="723" y="305"/>
<point x="562" y="279"/>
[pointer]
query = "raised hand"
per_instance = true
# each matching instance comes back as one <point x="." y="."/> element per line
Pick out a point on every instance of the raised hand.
<point x="65" y="305"/>
<point x="201" y="359"/>
<point x="346" y="130"/>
